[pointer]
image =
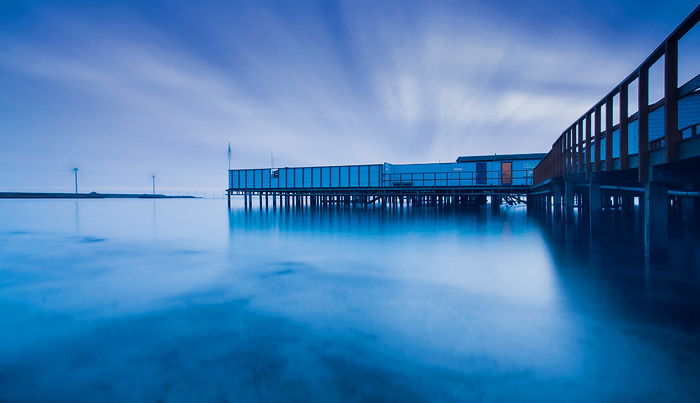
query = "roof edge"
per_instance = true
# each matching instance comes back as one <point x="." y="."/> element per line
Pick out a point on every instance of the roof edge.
<point x="501" y="157"/>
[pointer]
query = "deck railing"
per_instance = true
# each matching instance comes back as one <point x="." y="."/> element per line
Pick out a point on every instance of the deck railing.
<point x="570" y="152"/>
<point x="450" y="179"/>
<point x="443" y="179"/>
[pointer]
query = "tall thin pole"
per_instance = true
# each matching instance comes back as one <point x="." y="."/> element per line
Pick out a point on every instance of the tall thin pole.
<point x="153" y="178"/>
<point x="229" y="155"/>
<point x="228" y="192"/>
<point x="272" y="160"/>
<point x="75" y="177"/>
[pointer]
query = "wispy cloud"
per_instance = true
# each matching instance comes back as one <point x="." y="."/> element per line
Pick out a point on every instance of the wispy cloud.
<point x="362" y="84"/>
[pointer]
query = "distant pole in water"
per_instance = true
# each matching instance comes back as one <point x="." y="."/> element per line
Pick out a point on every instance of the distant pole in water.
<point x="153" y="178"/>
<point x="75" y="177"/>
<point x="229" y="155"/>
<point x="272" y="160"/>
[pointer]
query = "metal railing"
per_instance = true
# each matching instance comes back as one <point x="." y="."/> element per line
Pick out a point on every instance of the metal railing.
<point x="458" y="178"/>
<point x="516" y="177"/>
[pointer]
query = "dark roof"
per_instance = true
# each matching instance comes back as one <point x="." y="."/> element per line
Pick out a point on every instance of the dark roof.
<point x="502" y="157"/>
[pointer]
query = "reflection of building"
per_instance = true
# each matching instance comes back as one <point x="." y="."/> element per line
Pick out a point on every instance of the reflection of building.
<point x="513" y="170"/>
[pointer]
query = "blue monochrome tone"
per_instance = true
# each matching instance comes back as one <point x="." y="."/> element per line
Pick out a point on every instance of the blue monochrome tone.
<point x="111" y="300"/>
<point x="473" y="171"/>
<point x="125" y="89"/>
<point x="322" y="278"/>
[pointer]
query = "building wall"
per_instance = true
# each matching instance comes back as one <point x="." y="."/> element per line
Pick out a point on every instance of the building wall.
<point x="306" y="177"/>
<point x="458" y="173"/>
<point x="386" y="175"/>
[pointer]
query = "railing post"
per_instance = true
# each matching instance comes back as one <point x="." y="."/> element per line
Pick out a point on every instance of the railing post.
<point x="589" y="145"/>
<point x="571" y="134"/>
<point x="565" y="138"/>
<point x="609" y="132"/>
<point x="572" y="146"/>
<point x="624" y="143"/>
<point x="671" y="95"/>
<point x="562" y="156"/>
<point x="567" y="153"/>
<point x="643" y="120"/>
<point x="597" y="137"/>
<point x="579" y="131"/>
<point x="574" y="149"/>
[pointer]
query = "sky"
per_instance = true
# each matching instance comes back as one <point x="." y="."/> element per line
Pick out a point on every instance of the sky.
<point x="128" y="89"/>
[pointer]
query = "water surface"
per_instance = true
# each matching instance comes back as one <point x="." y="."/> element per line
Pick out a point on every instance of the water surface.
<point x="184" y="300"/>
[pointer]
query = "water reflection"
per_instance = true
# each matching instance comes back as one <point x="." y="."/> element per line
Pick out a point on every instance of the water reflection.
<point x="610" y="267"/>
<point x="186" y="300"/>
<point x="77" y="217"/>
<point x="453" y="247"/>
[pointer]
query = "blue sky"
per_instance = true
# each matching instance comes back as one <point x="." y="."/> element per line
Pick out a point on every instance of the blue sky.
<point x="126" y="89"/>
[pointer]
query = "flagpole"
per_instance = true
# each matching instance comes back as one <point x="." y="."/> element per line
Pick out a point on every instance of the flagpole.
<point x="228" y="192"/>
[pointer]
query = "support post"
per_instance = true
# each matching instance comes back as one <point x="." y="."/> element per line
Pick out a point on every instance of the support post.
<point x="495" y="202"/>
<point x="556" y="188"/>
<point x="628" y="204"/>
<point x="569" y="200"/>
<point x="688" y="207"/>
<point x="594" y="204"/>
<point x="655" y="218"/>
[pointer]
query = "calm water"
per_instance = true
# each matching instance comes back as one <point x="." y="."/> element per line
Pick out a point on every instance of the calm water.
<point x="183" y="300"/>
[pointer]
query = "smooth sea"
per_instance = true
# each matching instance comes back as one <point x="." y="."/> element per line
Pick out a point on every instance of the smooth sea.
<point x="186" y="300"/>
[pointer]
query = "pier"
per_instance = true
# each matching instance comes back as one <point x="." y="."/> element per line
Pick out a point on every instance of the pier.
<point x="469" y="181"/>
<point x="649" y="159"/>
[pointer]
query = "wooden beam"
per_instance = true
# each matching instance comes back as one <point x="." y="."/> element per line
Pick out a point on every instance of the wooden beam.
<point x="609" y="133"/>
<point x="567" y="135"/>
<point x="643" y="120"/>
<point x="574" y="151"/>
<point x="589" y="143"/>
<point x="581" y="164"/>
<point x="671" y="99"/>
<point x="597" y="137"/>
<point x="624" y="142"/>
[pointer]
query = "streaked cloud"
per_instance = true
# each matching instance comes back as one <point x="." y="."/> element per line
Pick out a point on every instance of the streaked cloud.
<point x="352" y="83"/>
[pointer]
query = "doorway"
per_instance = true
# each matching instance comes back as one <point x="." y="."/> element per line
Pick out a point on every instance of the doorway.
<point x="506" y="173"/>
<point x="480" y="173"/>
